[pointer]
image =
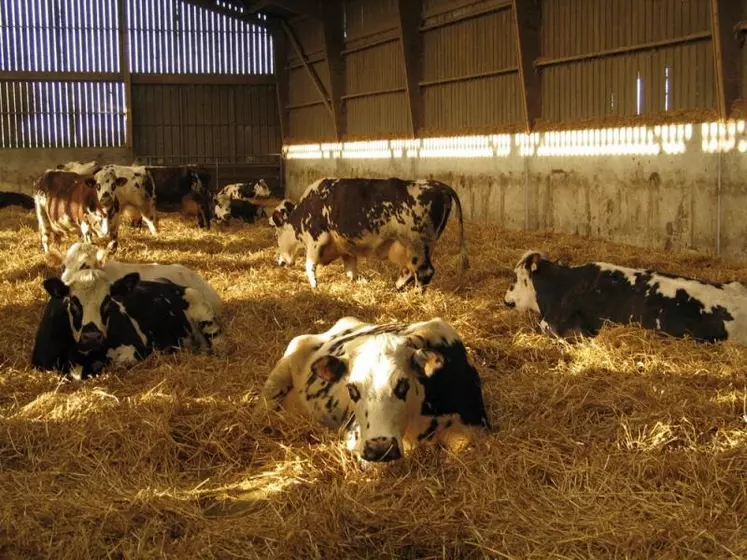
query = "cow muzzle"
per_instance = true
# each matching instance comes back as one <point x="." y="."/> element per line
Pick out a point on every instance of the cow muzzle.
<point x="91" y="338"/>
<point x="381" y="449"/>
<point x="510" y="304"/>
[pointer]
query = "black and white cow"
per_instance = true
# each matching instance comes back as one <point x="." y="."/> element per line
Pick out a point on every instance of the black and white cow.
<point x="234" y="201"/>
<point x="119" y="186"/>
<point x="392" y="386"/>
<point x="386" y="218"/>
<point x="579" y="299"/>
<point x="93" y="322"/>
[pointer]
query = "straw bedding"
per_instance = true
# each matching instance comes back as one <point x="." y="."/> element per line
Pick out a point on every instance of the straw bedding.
<point x="628" y="445"/>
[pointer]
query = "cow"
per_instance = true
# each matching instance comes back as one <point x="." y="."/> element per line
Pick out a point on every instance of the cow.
<point x="281" y="212"/>
<point x="88" y="168"/>
<point x="120" y="322"/>
<point x="84" y="256"/>
<point x="119" y="186"/>
<point x="386" y="218"/>
<point x="185" y="188"/>
<point x="577" y="300"/>
<point x="66" y="202"/>
<point x="234" y="201"/>
<point x="16" y="199"/>
<point x="391" y="386"/>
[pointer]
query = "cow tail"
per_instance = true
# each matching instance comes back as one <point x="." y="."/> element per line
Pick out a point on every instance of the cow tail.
<point x="463" y="257"/>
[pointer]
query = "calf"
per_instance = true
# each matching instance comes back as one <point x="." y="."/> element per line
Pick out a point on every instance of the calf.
<point x="579" y="299"/>
<point x="228" y="201"/>
<point x="67" y="203"/>
<point x="391" y="386"/>
<point x="16" y="199"/>
<point x="118" y="186"/>
<point x="120" y="322"/>
<point x="386" y="218"/>
<point x="83" y="256"/>
<point x="186" y="188"/>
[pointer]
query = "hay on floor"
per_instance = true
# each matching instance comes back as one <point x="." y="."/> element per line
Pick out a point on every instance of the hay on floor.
<point x="630" y="445"/>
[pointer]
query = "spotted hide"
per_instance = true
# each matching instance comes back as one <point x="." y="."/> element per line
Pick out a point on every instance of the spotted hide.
<point x="385" y="218"/>
<point x="234" y="201"/>
<point x="391" y="387"/>
<point x="186" y="189"/>
<point x="579" y="299"/>
<point x="118" y="186"/>
<point x="66" y="202"/>
<point x="93" y="322"/>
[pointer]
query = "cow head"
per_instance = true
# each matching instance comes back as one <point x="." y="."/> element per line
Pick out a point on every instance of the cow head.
<point x="261" y="190"/>
<point x="202" y="196"/>
<point x="107" y="181"/>
<point x="222" y="208"/>
<point x="82" y="256"/>
<point x="521" y="293"/>
<point x="90" y="300"/>
<point x="384" y="389"/>
<point x="282" y="211"/>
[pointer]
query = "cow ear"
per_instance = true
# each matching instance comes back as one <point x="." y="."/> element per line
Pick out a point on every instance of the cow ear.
<point x="125" y="285"/>
<point x="329" y="368"/>
<point x="120" y="181"/>
<point x="533" y="262"/>
<point x="56" y="288"/>
<point x="427" y="362"/>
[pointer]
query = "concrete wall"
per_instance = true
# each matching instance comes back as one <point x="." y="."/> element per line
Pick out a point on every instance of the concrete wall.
<point x="661" y="201"/>
<point x="19" y="168"/>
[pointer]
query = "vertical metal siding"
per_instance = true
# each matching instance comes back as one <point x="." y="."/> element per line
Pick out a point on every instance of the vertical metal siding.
<point x="380" y="115"/>
<point x="310" y="123"/>
<point x="376" y="68"/>
<point x="367" y="17"/>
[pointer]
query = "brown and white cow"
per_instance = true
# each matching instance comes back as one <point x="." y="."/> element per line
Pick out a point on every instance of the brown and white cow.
<point x="384" y="218"/>
<point x="67" y="203"/>
<point x="127" y="185"/>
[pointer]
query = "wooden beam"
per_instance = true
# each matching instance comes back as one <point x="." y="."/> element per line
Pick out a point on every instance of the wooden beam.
<point x="280" y="52"/>
<point x="412" y="57"/>
<point x="301" y="7"/>
<point x="314" y="77"/>
<point x="204" y="79"/>
<point x="527" y="21"/>
<point x="334" y="44"/>
<point x="124" y="57"/>
<point x="725" y="16"/>
<point x="229" y="12"/>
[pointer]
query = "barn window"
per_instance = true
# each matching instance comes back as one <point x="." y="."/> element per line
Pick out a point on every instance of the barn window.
<point x="638" y="95"/>
<point x="666" y="88"/>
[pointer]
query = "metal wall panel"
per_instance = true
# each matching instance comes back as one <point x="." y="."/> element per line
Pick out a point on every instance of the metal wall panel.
<point x="368" y="17"/>
<point x="310" y="124"/>
<point x="204" y="123"/>
<point x="374" y="69"/>
<point x="378" y="116"/>
<point x="301" y="88"/>
<point x="572" y="27"/>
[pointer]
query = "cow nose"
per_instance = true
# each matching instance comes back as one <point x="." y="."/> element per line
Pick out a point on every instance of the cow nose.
<point x="91" y="338"/>
<point x="381" y="449"/>
<point x="509" y="303"/>
<point x="281" y="261"/>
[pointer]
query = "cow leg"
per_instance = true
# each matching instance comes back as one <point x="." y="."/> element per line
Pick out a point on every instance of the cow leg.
<point x="278" y="384"/>
<point x="44" y="225"/>
<point x="351" y="267"/>
<point x="311" y="272"/>
<point x="149" y="217"/>
<point x="406" y="277"/>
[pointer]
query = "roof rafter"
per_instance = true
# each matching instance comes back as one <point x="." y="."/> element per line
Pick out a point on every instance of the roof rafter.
<point x="308" y="8"/>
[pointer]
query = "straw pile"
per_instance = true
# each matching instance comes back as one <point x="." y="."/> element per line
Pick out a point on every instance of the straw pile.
<point x="630" y="444"/>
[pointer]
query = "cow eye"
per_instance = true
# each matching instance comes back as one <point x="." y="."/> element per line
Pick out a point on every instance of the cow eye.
<point x="400" y="390"/>
<point x="84" y="267"/>
<point x="98" y="187"/>
<point x="353" y="391"/>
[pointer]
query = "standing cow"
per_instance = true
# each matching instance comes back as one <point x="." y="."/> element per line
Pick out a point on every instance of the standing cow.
<point x="386" y="218"/>
<point x="67" y="203"/>
<point x="119" y="186"/>
<point x="579" y="299"/>
<point x="391" y="386"/>
<point x="186" y="189"/>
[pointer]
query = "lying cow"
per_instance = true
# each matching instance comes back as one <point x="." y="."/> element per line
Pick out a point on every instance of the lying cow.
<point x="119" y="322"/>
<point x="186" y="189"/>
<point x="16" y="199"/>
<point x="386" y="218"/>
<point x="88" y="168"/>
<point x="391" y="386"/>
<point x="119" y="186"/>
<point x="234" y="201"/>
<point x="84" y="256"/>
<point x="579" y="299"/>
<point x="67" y="203"/>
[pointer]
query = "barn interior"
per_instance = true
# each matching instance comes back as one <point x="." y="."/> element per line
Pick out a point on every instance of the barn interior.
<point x="591" y="130"/>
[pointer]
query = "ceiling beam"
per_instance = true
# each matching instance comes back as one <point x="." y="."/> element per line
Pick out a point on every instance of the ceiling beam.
<point x="301" y="7"/>
<point x="411" y="39"/>
<point x="334" y="45"/>
<point x="725" y="15"/>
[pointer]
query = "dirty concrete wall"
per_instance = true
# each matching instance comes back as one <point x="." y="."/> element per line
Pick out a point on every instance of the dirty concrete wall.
<point x="19" y="168"/>
<point x="661" y="201"/>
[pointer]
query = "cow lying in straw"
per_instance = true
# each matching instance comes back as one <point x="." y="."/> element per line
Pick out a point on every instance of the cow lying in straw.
<point x="390" y="386"/>
<point x="579" y="299"/>
<point x="93" y="322"/>
<point x="83" y="256"/>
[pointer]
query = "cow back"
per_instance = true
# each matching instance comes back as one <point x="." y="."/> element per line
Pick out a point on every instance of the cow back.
<point x="68" y="195"/>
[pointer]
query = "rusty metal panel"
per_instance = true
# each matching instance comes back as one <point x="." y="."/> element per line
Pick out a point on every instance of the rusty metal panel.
<point x="573" y="27"/>
<point x="474" y="105"/>
<point x="301" y="89"/>
<point x="310" y="124"/>
<point x="471" y="46"/>
<point x="368" y="17"/>
<point x="383" y="115"/>
<point x="373" y="69"/>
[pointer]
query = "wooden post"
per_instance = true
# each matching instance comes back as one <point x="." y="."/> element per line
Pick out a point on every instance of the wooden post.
<point x="409" y="16"/>
<point x="527" y="21"/>
<point x="334" y="44"/>
<point x="724" y="17"/>
<point x="124" y="57"/>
